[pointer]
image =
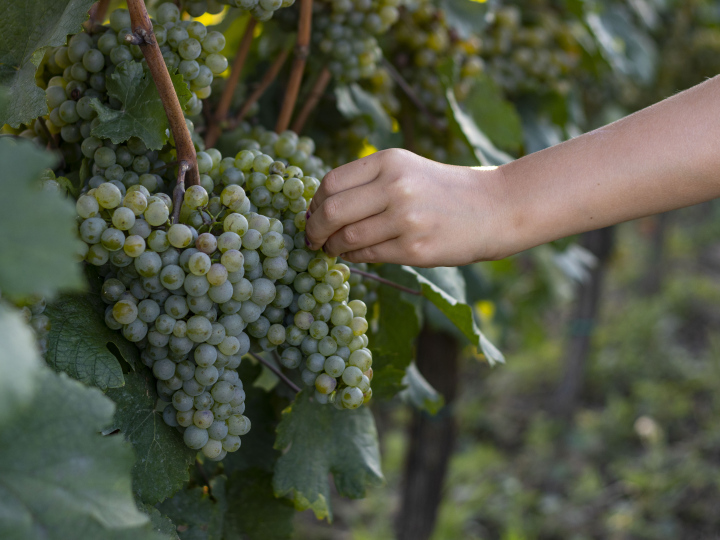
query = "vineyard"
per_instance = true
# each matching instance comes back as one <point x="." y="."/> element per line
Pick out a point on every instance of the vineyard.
<point x="177" y="362"/>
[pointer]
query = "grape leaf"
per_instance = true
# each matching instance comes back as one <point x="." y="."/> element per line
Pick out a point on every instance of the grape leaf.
<point x="163" y="459"/>
<point x="493" y="114"/>
<point x="317" y="440"/>
<point x="142" y="114"/>
<point x="253" y="509"/>
<point x="78" y="342"/>
<point x="420" y="393"/>
<point x="59" y="478"/>
<point x="198" y="515"/>
<point x="17" y="380"/>
<point x="26" y="27"/>
<point x="466" y="17"/>
<point x="445" y="288"/>
<point x="464" y="125"/>
<point x="37" y="253"/>
<point x="393" y="346"/>
<point x="161" y="524"/>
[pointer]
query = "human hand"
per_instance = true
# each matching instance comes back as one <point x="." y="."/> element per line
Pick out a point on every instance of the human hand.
<point x="397" y="207"/>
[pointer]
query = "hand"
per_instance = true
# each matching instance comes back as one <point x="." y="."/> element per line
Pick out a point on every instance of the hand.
<point x="397" y="207"/>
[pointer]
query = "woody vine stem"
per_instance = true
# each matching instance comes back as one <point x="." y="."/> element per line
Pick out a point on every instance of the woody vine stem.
<point x="143" y="36"/>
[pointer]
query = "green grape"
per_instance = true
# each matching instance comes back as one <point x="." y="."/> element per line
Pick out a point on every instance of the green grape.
<point x="134" y="246"/>
<point x="238" y="425"/>
<point x="214" y="42"/>
<point x="179" y="236"/>
<point x="125" y="311"/>
<point x="157" y="214"/>
<point x="361" y="358"/>
<point x="104" y="157"/>
<point x="195" y="437"/>
<point x="199" y="263"/>
<point x="351" y="397"/>
<point x="324" y="383"/>
<point x="123" y="218"/>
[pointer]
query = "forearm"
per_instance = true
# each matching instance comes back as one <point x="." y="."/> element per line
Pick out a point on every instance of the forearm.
<point x="664" y="157"/>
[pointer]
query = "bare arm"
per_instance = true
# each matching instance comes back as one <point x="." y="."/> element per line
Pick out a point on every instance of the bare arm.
<point x="394" y="206"/>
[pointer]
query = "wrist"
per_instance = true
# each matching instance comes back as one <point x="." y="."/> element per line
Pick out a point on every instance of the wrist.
<point x="500" y="228"/>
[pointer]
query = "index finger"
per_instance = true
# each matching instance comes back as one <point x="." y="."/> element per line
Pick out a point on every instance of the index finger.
<point x="354" y="174"/>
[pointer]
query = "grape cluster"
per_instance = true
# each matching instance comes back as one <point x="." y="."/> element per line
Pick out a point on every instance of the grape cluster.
<point x="534" y="55"/>
<point x="234" y="275"/>
<point x="190" y="48"/>
<point x="345" y="32"/>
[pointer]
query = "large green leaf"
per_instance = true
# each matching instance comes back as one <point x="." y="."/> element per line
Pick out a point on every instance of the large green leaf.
<point x="420" y="393"/>
<point x="466" y="17"/>
<point x="37" y="250"/>
<point x="493" y="114"/>
<point x="445" y="288"/>
<point x="161" y="524"/>
<point x="198" y="514"/>
<point x="253" y="510"/>
<point x="79" y="342"/>
<point x="317" y="440"/>
<point x="26" y="27"/>
<point x="464" y="125"/>
<point x="59" y="477"/>
<point x="393" y="346"/>
<point x="142" y="114"/>
<point x="163" y="459"/>
<point x="19" y="360"/>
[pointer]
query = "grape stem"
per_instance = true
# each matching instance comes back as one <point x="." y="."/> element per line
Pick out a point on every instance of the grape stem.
<point x="302" y="51"/>
<point x="97" y="15"/>
<point x="179" y="191"/>
<point x="276" y="371"/>
<point x="316" y="92"/>
<point x="410" y="93"/>
<point x="221" y="113"/>
<point x="270" y="75"/>
<point x="384" y="281"/>
<point x="143" y="31"/>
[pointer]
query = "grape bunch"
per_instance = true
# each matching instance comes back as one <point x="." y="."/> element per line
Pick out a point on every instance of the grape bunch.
<point x="190" y="48"/>
<point x="234" y="275"/>
<point x="32" y="311"/>
<point x="262" y="10"/>
<point x="537" y="54"/>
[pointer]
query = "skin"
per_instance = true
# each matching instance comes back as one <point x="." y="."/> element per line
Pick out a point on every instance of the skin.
<point x="397" y="207"/>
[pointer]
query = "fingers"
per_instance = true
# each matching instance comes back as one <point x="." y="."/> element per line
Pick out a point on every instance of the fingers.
<point x="342" y="209"/>
<point x="354" y="174"/>
<point x="390" y="251"/>
<point x="368" y="232"/>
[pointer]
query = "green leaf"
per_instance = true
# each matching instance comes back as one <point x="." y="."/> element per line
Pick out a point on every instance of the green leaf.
<point x="493" y="114"/>
<point x="198" y="515"/>
<point x="26" y="27"/>
<point x="37" y="254"/>
<point x="142" y="114"/>
<point x="79" y="342"/>
<point x="354" y="102"/>
<point x="161" y="524"/>
<point x="393" y="346"/>
<point x="445" y="288"/>
<point x="483" y="148"/>
<point x="253" y="509"/>
<point x="59" y="478"/>
<point x="420" y="393"/>
<point x="17" y="377"/>
<point x="465" y="17"/>
<point x="163" y="459"/>
<point x="317" y="440"/>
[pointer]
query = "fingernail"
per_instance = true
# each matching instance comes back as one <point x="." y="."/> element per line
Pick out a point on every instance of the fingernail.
<point x="307" y="215"/>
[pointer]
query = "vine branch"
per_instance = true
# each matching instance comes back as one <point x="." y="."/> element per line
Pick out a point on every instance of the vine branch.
<point x="179" y="191"/>
<point x="410" y="93"/>
<point x="384" y="281"/>
<point x="276" y="371"/>
<point x="316" y="92"/>
<point x="302" y="51"/>
<point x="97" y="15"/>
<point x="270" y="75"/>
<point x="223" y="107"/>
<point x="142" y="31"/>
